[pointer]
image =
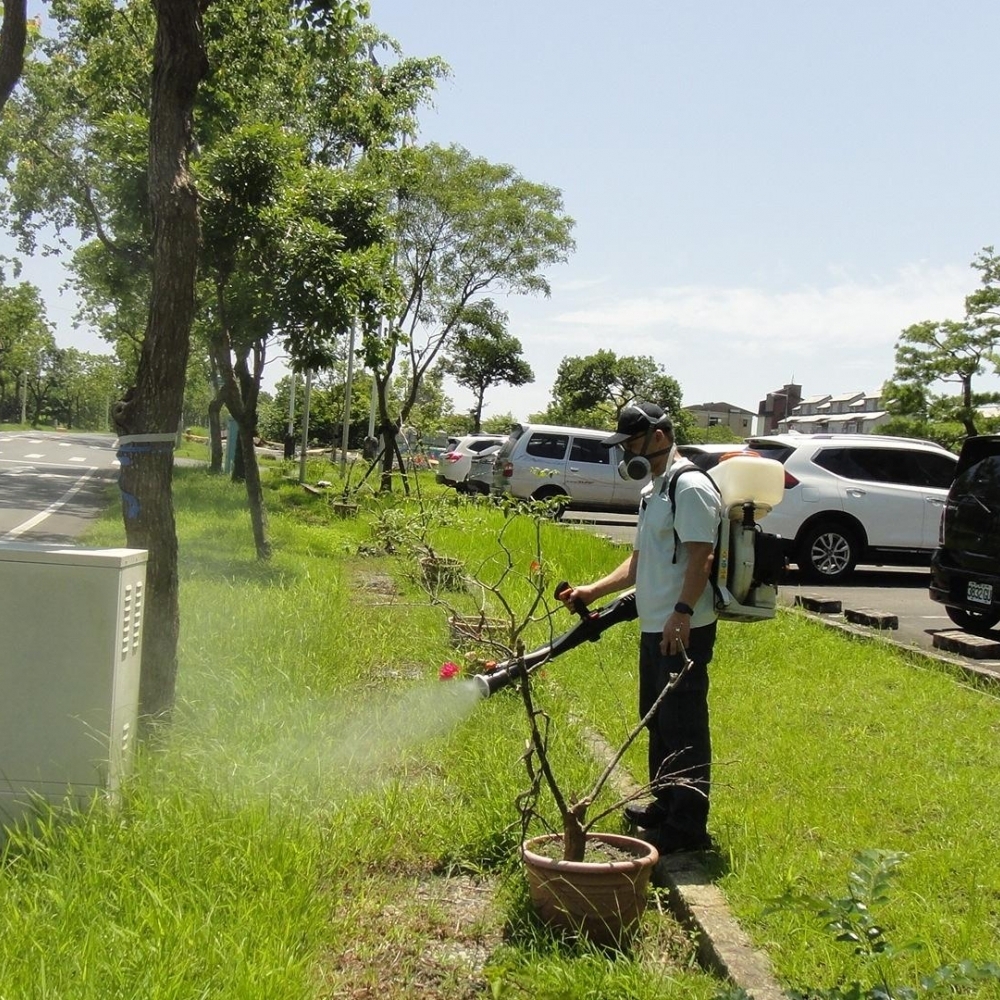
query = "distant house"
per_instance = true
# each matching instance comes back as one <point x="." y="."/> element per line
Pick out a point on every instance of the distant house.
<point x="738" y="420"/>
<point x="847" y="413"/>
<point x="776" y="406"/>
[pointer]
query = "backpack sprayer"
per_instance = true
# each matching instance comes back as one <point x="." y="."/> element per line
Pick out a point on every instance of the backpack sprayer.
<point x="591" y="626"/>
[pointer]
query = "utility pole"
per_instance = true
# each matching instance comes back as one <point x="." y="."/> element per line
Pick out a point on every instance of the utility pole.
<point x="24" y="397"/>
<point x="289" y="449"/>
<point x="305" y="425"/>
<point x="347" y="403"/>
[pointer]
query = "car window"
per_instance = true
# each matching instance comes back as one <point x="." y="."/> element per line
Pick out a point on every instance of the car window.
<point x="863" y="464"/>
<point x="507" y="448"/>
<point x="589" y="450"/>
<point x="871" y="465"/>
<point x="482" y="445"/>
<point x="543" y="444"/>
<point x="982" y="481"/>
<point x="933" y="470"/>
<point x="768" y="449"/>
<point x="902" y="466"/>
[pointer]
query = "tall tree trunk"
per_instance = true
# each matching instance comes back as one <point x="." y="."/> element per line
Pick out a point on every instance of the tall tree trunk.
<point x="215" y="433"/>
<point x="968" y="413"/>
<point x="147" y="419"/>
<point x="477" y="413"/>
<point x="255" y="494"/>
<point x="239" y="389"/>
<point x="13" y="37"/>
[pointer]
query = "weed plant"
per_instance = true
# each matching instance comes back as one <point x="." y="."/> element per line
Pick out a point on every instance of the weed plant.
<point x="324" y="817"/>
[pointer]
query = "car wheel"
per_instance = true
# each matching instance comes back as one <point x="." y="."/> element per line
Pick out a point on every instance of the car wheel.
<point x="553" y="493"/>
<point x="976" y="622"/>
<point x="828" y="552"/>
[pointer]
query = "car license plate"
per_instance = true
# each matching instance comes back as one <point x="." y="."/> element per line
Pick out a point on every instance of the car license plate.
<point x="979" y="593"/>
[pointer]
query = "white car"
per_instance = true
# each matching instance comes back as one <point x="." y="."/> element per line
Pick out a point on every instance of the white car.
<point x="857" y="497"/>
<point x="571" y="464"/>
<point x="455" y="463"/>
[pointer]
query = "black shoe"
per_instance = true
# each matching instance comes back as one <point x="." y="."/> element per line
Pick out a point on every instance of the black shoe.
<point x="672" y="842"/>
<point x="647" y="816"/>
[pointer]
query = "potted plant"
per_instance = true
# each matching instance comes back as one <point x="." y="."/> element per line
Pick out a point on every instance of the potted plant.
<point x="580" y="880"/>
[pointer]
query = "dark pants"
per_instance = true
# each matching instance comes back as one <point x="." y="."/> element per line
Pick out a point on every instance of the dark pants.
<point x="679" y="738"/>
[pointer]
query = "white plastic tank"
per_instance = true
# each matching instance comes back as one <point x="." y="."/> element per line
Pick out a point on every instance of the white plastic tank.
<point x="750" y="478"/>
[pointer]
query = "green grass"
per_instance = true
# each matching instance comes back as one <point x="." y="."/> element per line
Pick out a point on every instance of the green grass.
<point x="824" y="746"/>
<point x="324" y="817"/>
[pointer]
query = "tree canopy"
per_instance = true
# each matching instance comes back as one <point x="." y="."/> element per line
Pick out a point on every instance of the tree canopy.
<point x="484" y="354"/>
<point x="948" y="351"/>
<point x="592" y="391"/>
<point x="464" y="227"/>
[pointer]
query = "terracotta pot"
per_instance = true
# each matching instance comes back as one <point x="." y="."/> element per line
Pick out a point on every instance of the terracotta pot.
<point x="603" y="900"/>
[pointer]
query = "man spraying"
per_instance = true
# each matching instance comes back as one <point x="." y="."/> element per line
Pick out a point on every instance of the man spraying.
<point x="669" y="567"/>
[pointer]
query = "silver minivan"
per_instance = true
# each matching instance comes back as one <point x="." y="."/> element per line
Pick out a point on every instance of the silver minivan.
<point x="544" y="461"/>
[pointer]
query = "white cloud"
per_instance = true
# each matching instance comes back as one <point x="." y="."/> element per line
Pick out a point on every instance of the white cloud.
<point x="850" y="311"/>
<point x="737" y="343"/>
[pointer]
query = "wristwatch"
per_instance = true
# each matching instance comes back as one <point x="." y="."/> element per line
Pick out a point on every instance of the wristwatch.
<point x="683" y="609"/>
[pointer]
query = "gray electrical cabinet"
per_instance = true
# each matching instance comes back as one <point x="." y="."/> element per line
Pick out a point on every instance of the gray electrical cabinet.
<point x="70" y="657"/>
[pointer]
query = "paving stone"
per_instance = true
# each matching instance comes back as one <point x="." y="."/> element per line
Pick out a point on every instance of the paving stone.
<point x="978" y="647"/>
<point x="821" y="605"/>
<point x="876" y="619"/>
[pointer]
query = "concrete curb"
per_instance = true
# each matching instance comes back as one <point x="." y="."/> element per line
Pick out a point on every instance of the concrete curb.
<point x="723" y="946"/>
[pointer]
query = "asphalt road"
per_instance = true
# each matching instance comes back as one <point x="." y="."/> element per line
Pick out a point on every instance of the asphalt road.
<point x="53" y="483"/>
<point x="900" y="591"/>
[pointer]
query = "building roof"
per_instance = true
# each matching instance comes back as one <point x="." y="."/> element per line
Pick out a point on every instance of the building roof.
<point x="812" y="419"/>
<point x="720" y="407"/>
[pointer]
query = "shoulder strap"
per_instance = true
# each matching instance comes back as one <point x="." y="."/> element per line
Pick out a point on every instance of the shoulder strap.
<point x="676" y="474"/>
<point x="672" y="497"/>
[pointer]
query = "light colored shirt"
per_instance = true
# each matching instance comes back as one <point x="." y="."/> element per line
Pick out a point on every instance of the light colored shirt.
<point x="658" y="577"/>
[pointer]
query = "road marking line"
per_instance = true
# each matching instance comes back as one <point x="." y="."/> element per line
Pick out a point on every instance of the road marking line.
<point x="52" y="465"/>
<point x="51" y="509"/>
<point x="36" y="454"/>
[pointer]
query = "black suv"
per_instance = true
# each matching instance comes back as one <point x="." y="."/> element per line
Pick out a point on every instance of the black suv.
<point x="965" y="570"/>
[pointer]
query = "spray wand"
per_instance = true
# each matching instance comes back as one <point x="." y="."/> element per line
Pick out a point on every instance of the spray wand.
<point x="591" y="626"/>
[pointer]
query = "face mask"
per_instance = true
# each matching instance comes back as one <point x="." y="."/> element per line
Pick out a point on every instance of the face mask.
<point x="637" y="467"/>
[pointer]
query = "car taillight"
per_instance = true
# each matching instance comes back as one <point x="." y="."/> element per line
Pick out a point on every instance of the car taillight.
<point x="790" y="481"/>
<point x="508" y="470"/>
<point x="452" y="456"/>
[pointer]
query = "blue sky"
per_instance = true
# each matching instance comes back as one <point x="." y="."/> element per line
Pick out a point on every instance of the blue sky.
<point x="762" y="191"/>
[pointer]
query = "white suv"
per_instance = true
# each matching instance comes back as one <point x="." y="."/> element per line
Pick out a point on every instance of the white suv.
<point x="857" y="497"/>
<point x="543" y="461"/>
<point x="455" y="463"/>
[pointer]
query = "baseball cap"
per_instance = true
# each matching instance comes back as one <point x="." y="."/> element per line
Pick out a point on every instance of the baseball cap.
<point x="637" y="419"/>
